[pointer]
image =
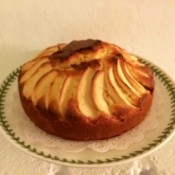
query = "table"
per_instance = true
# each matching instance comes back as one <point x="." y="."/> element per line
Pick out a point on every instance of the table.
<point x="146" y="28"/>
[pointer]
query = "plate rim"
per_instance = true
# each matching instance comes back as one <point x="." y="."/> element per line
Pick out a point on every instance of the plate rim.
<point x="164" y="136"/>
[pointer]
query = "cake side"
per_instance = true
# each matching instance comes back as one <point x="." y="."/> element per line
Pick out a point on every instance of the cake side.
<point x="76" y="127"/>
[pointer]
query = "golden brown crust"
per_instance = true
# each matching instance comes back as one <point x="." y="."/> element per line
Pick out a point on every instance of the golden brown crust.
<point x="74" y="124"/>
<point x="77" y="127"/>
<point x="76" y="46"/>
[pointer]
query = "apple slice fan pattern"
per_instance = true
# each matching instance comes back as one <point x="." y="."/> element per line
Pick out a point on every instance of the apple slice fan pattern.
<point x="86" y="90"/>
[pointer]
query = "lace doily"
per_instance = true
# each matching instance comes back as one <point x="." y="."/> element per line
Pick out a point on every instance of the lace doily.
<point x="122" y="142"/>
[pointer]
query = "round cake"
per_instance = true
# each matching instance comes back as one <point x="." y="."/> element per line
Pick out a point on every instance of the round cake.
<point x="86" y="90"/>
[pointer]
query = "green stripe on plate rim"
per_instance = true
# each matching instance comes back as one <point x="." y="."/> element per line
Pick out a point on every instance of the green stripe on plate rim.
<point x="167" y="82"/>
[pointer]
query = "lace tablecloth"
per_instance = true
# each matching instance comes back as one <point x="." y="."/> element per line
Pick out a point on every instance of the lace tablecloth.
<point x="146" y="28"/>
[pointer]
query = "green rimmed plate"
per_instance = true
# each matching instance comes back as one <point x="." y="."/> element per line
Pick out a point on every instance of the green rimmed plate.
<point x="152" y="140"/>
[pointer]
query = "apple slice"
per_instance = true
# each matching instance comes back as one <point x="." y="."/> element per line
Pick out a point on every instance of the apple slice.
<point x="124" y="85"/>
<point x="131" y="59"/>
<point x="98" y="86"/>
<point x="31" y="82"/>
<point x="42" y="86"/>
<point x="32" y="68"/>
<point x="111" y="95"/>
<point x="28" y="65"/>
<point x="68" y="91"/>
<point x="142" y="75"/>
<point x="55" y="92"/>
<point x="48" y="51"/>
<point x="120" y="70"/>
<point x="118" y="89"/>
<point x="141" y="90"/>
<point x="84" y="98"/>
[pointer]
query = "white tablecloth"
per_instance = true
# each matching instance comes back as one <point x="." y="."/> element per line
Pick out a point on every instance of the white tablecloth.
<point x="146" y="28"/>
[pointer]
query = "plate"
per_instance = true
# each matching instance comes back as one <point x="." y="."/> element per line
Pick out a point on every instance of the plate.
<point x="153" y="139"/>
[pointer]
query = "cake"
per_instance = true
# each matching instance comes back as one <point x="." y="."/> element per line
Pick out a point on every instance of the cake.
<point x="86" y="90"/>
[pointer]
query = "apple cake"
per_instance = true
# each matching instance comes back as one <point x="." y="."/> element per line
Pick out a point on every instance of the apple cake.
<point x="86" y="90"/>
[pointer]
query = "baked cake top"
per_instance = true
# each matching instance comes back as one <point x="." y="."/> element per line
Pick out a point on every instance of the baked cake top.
<point x="98" y="76"/>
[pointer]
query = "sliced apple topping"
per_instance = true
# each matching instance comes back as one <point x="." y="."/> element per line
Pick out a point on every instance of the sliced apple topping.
<point x="140" y="89"/>
<point x="132" y="59"/>
<point x="84" y="99"/>
<point x="43" y="85"/>
<point x="137" y="71"/>
<point x="111" y="95"/>
<point x="48" y="51"/>
<point x="108" y="96"/>
<point x="98" y="92"/>
<point x="120" y="70"/>
<point x="32" y="69"/>
<point x="28" y="65"/>
<point x="31" y="82"/>
<point x="123" y="84"/>
<point x="142" y="75"/>
<point x="118" y="89"/>
<point x="68" y="92"/>
<point x="54" y="93"/>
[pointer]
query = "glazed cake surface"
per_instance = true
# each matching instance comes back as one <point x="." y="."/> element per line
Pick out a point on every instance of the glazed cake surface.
<point x="86" y="90"/>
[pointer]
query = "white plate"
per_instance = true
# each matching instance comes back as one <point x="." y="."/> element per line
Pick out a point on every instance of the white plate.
<point x="88" y="158"/>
